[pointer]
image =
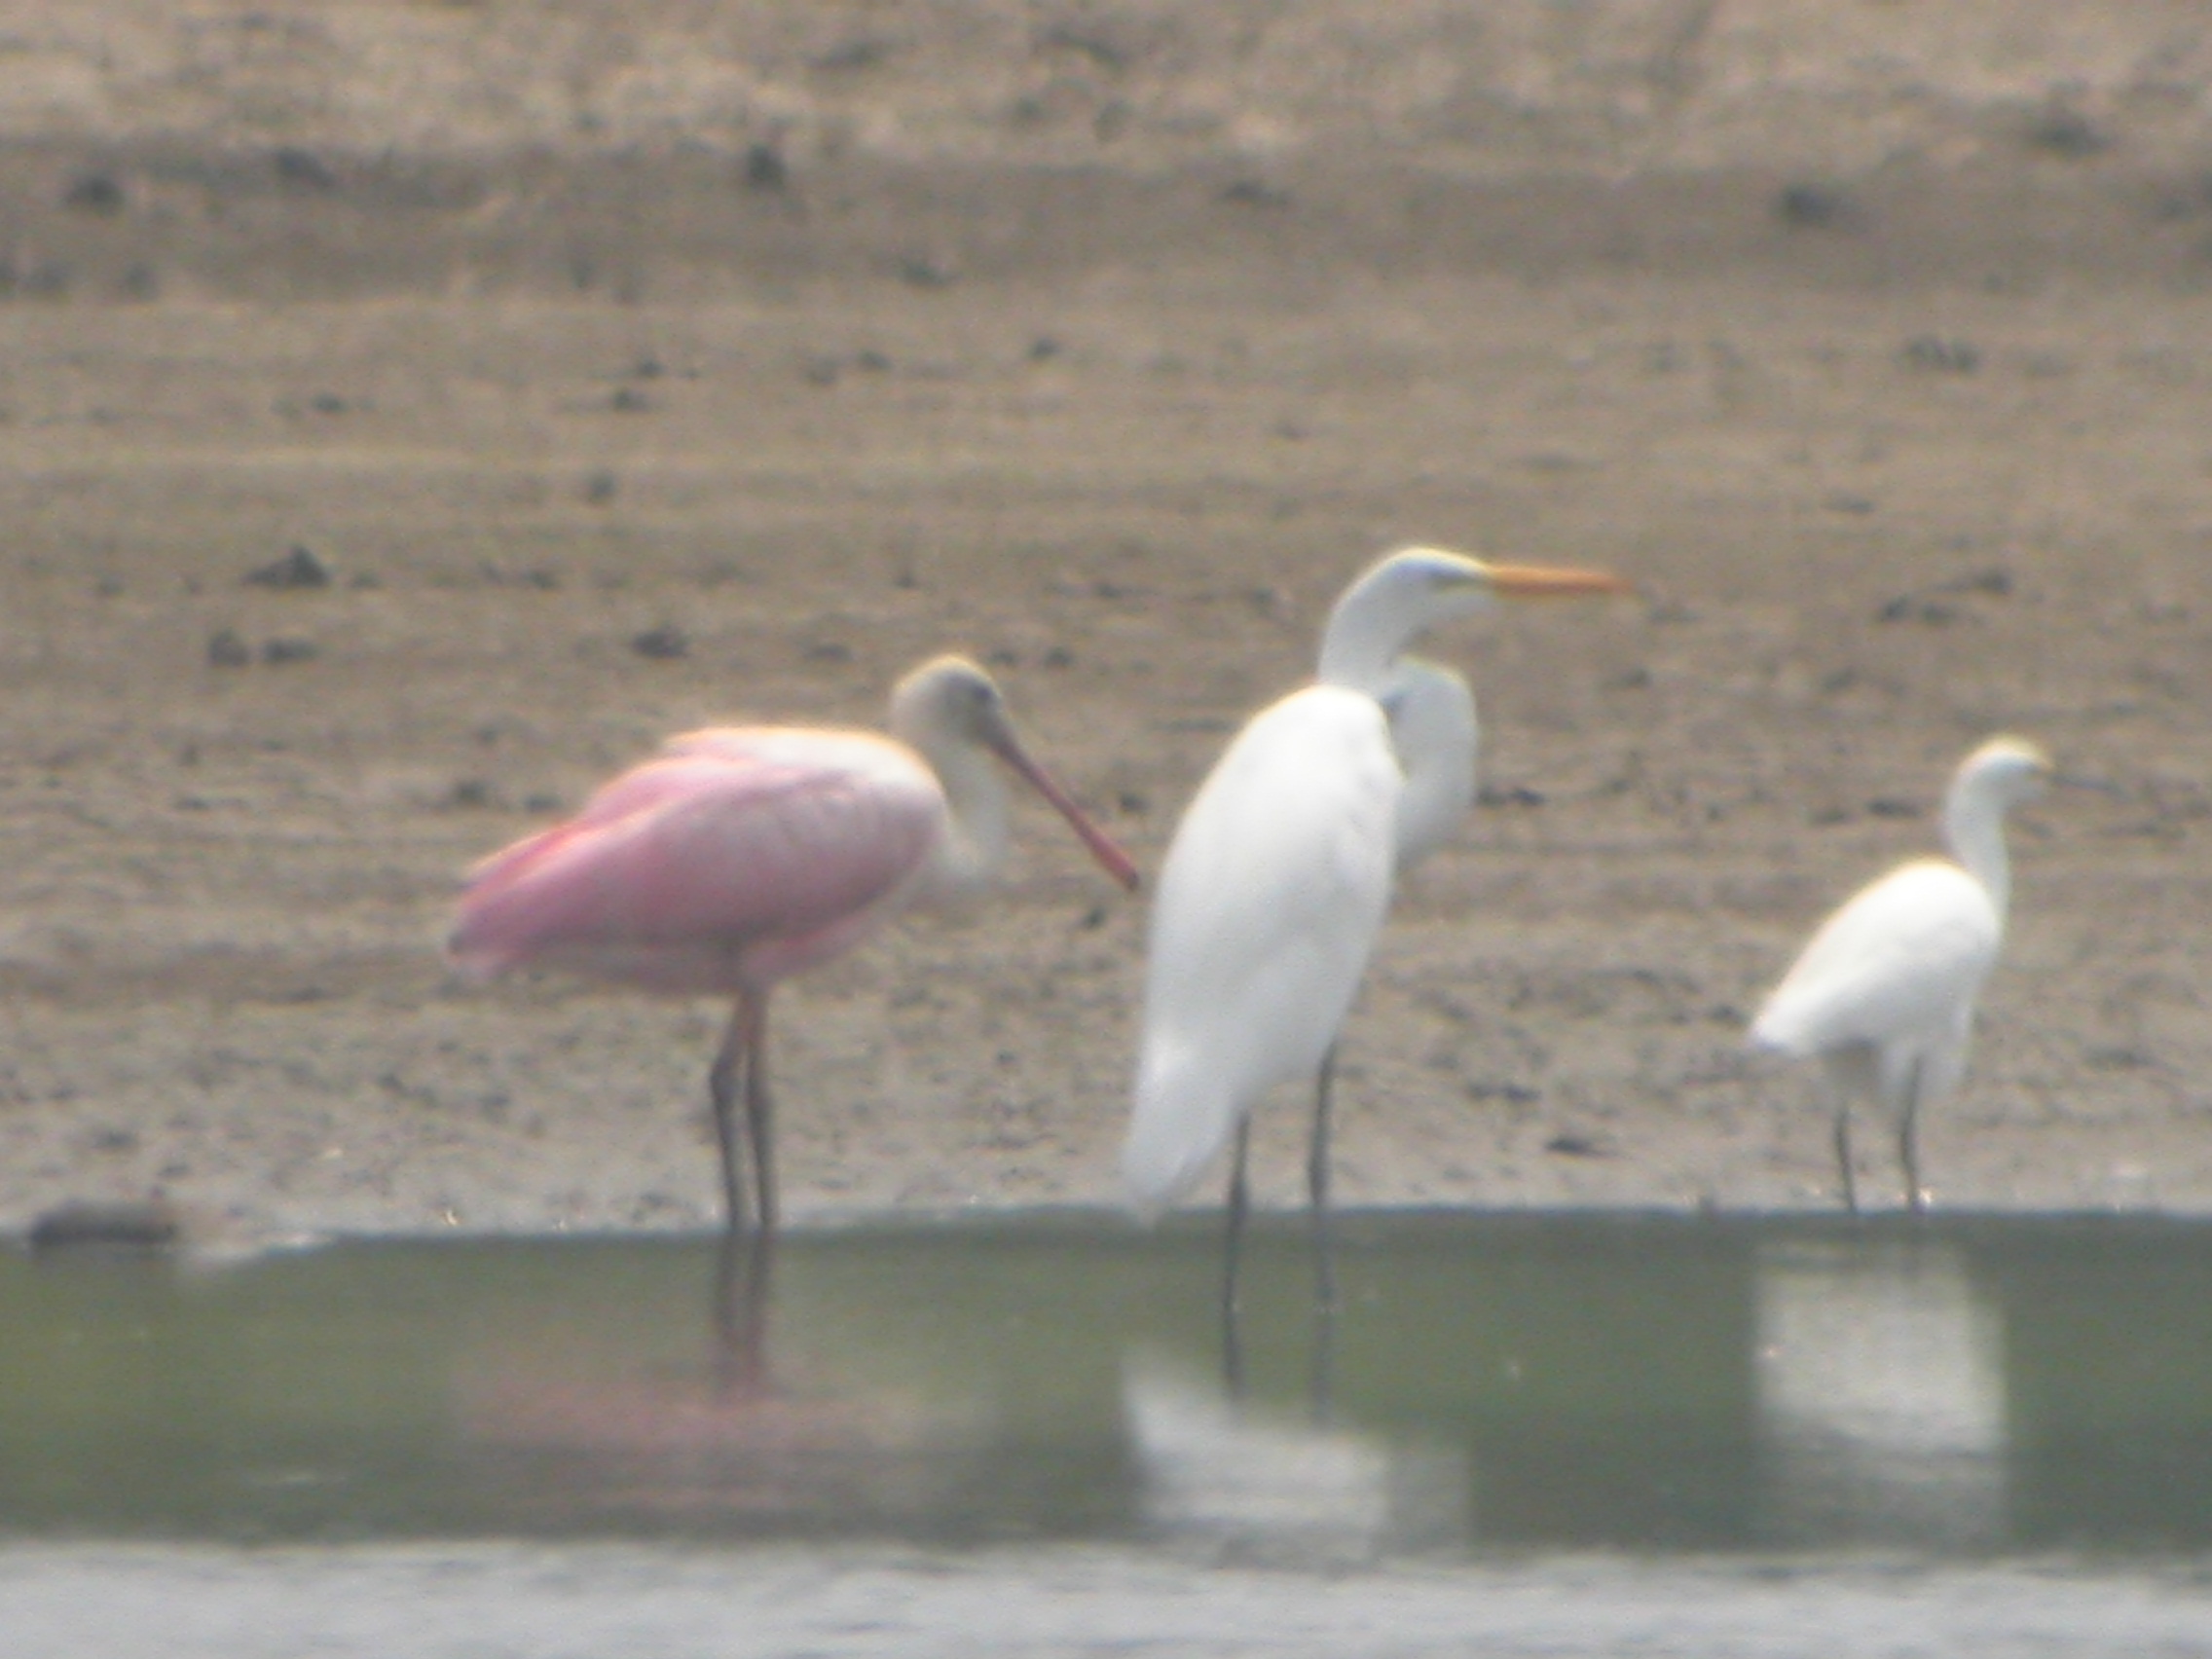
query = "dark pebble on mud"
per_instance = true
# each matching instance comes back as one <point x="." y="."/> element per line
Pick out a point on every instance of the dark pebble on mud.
<point x="150" y="1225"/>
<point x="298" y="568"/>
<point x="664" y="644"/>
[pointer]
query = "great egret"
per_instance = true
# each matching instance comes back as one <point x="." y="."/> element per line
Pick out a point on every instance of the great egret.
<point x="1885" y="991"/>
<point x="1279" y="874"/>
<point x="740" y="855"/>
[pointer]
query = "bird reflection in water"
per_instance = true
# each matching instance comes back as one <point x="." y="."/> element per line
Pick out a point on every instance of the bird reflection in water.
<point x="568" y="1429"/>
<point x="1322" y="1365"/>
<point x="1223" y="1475"/>
<point x="1881" y="1395"/>
<point x="745" y="1271"/>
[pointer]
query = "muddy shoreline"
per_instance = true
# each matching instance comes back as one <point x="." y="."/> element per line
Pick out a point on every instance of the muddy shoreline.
<point x="1900" y="449"/>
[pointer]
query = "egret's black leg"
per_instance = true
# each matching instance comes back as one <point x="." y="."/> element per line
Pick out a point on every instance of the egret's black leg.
<point x="1908" y="1140"/>
<point x="1233" y="1250"/>
<point x="1843" y="1152"/>
<point x="1318" y="1187"/>
<point x="1324" y="1253"/>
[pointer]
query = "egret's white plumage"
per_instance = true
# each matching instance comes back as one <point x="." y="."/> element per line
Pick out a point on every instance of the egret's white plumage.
<point x="1884" y="993"/>
<point x="1289" y="844"/>
<point x="1279" y="874"/>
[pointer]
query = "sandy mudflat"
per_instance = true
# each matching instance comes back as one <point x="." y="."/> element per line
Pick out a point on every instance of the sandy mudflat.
<point x="1105" y="344"/>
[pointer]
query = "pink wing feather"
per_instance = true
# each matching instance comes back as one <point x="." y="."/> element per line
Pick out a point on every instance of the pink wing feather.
<point x="734" y="858"/>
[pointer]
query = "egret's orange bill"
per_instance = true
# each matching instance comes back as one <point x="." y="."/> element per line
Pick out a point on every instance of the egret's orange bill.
<point x="1116" y="862"/>
<point x="1547" y="581"/>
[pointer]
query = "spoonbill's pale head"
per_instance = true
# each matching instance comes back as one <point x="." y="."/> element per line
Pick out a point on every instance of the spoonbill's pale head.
<point x="953" y="713"/>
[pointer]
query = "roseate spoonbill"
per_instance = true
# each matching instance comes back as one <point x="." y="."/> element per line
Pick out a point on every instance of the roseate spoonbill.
<point x="1277" y="879"/>
<point x="740" y="855"/>
<point x="1884" y="992"/>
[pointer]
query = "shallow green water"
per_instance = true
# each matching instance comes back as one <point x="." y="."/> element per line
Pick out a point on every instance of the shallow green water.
<point x="1970" y="1388"/>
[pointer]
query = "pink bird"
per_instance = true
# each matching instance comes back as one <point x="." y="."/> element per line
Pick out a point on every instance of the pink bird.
<point x="742" y="855"/>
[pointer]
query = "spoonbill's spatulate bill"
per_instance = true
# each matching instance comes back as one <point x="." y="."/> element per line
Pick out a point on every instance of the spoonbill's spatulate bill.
<point x="740" y="855"/>
<point x="1884" y="992"/>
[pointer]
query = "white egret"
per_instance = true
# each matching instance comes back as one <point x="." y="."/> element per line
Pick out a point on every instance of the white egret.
<point x="1279" y="874"/>
<point x="1436" y="732"/>
<point x="1884" y="993"/>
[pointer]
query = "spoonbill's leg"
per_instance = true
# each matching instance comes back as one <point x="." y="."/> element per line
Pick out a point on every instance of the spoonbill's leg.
<point x="725" y="1083"/>
<point x="740" y="1072"/>
<point x="759" y="1108"/>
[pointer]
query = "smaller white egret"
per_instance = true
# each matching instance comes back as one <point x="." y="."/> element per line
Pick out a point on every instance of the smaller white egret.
<point x="1884" y="993"/>
<point x="1275" y="884"/>
<point x="1435" y="730"/>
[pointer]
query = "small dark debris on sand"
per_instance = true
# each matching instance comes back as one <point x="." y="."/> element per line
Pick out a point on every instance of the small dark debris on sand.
<point x="125" y="1225"/>
<point x="1939" y="356"/>
<point x="296" y="569"/>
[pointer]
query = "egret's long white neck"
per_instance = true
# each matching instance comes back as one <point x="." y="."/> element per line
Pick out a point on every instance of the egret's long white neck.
<point x="1973" y="824"/>
<point x="1378" y="617"/>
